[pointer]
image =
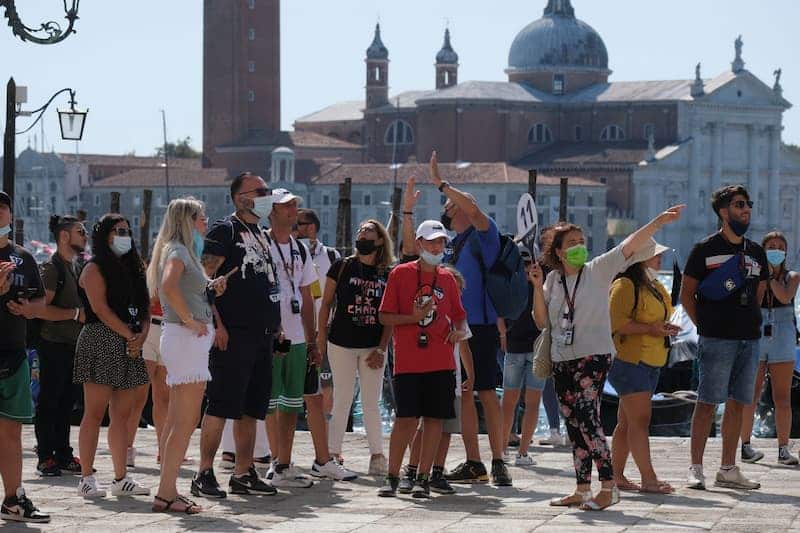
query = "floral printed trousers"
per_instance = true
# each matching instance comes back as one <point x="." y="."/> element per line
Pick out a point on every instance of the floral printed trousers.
<point x="579" y="386"/>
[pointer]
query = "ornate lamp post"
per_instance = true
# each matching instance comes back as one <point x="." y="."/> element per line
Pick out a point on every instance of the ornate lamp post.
<point x="71" y="121"/>
<point x="48" y="32"/>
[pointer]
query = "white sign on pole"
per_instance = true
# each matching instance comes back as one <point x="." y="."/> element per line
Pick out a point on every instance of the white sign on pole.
<point x="527" y="222"/>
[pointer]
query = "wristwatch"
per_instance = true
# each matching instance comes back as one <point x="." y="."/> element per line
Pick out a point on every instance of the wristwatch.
<point x="443" y="185"/>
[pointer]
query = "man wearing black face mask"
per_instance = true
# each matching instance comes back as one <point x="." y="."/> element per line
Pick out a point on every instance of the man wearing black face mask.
<point x="63" y="318"/>
<point x="723" y="286"/>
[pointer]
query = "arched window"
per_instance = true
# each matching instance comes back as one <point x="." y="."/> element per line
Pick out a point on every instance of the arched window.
<point x="540" y="134"/>
<point x="612" y="133"/>
<point x="399" y="132"/>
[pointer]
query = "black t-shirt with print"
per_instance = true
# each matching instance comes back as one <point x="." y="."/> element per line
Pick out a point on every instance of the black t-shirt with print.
<point x="522" y="332"/>
<point x="728" y="319"/>
<point x="252" y="298"/>
<point x="359" y="290"/>
<point x="24" y="277"/>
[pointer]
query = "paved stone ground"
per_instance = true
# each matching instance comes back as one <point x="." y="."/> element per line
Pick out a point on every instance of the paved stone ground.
<point x="354" y="506"/>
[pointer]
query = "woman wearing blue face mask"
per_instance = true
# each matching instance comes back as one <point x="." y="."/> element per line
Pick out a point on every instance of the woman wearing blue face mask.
<point x="573" y="303"/>
<point x="177" y="278"/>
<point x="777" y="348"/>
<point x="108" y="355"/>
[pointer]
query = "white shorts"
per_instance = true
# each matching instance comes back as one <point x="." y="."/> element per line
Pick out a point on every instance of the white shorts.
<point x="184" y="354"/>
<point x="151" y="351"/>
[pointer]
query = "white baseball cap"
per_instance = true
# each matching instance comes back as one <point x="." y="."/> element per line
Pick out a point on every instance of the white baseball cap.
<point x="284" y="196"/>
<point x="431" y="230"/>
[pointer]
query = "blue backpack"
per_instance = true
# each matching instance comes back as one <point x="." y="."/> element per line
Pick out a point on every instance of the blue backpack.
<point x="506" y="281"/>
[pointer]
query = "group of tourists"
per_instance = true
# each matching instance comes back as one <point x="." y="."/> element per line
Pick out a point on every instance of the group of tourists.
<point x="242" y="325"/>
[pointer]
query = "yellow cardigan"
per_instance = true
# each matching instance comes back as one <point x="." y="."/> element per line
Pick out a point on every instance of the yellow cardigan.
<point x="633" y="349"/>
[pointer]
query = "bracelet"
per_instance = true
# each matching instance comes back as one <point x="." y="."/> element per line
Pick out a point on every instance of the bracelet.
<point x="442" y="186"/>
<point x="411" y="213"/>
<point x="77" y="314"/>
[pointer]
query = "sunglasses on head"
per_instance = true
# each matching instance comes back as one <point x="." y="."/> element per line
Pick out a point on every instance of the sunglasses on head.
<point x="123" y="232"/>
<point x="260" y="191"/>
<point x="740" y="204"/>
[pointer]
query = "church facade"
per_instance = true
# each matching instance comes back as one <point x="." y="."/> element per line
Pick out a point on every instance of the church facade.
<point x="652" y="143"/>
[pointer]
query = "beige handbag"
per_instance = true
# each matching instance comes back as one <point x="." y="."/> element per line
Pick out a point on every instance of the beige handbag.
<point x="542" y="361"/>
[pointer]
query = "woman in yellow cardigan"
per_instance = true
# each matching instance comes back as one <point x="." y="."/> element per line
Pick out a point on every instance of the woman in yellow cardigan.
<point x="641" y="331"/>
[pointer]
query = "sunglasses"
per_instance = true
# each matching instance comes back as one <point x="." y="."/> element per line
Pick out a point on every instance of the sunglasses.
<point x="82" y="232"/>
<point x="740" y="204"/>
<point x="303" y="223"/>
<point x="260" y="191"/>
<point x="123" y="232"/>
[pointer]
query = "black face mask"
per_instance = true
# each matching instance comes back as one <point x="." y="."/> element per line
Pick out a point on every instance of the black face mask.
<point x="365" y="246"/>
<point x="447" y="221"/>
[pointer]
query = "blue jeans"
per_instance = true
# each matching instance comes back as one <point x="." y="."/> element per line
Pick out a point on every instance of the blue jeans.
<point x="727" y="370"/>
<point x="628" y="378"/>
<point x="781" y="346"/>
<point x="518" y="372"/>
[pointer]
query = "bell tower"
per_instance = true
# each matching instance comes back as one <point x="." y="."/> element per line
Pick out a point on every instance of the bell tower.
<point x="377" y="61"/>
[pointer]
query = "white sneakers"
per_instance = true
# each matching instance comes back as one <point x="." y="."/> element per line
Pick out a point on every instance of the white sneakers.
<point x="731" y="478"/>
<point x="696" y="479"/>
<point x="128" y="486"/>
<point x="524" y="460"/>
<point x="734" y="479"/>
<point x="555" y="439"/>
<point x="290" y="478"/>
<point x="90" y="488"/>
<point x="332" y="470"/>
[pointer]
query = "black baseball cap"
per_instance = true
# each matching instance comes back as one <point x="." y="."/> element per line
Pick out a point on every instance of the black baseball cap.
<point x="6" y="199"/>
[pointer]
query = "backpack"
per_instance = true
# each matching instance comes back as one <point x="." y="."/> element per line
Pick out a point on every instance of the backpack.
<point x="506" y="281"/>
<point x="34" y="325"/>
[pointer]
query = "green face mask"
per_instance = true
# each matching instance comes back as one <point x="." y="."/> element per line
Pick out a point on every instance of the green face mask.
<point x="576" y="256"/>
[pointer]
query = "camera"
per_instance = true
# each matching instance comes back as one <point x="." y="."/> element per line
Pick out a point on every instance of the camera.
<point x="768" y="330"/>
<point x="281" y="347"/>
<point x="422" y="340"/>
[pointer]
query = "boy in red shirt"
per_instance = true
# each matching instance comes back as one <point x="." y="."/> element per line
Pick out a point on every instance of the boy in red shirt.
<point x="423" y="303"/>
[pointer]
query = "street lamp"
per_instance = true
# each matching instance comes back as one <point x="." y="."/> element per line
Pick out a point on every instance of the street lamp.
<point x="71" y="121"/>
<point x="51" y="31"/>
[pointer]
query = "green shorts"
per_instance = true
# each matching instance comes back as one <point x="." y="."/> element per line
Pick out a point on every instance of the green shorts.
<point x="288" y="379"/>
<point x="16" y="402"/>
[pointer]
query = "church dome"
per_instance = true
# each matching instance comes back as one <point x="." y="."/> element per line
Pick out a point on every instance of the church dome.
<point x="558" y="40"/>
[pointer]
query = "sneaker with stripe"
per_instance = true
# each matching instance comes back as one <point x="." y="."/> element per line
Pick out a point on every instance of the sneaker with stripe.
<point x="90" y="488"/>
<point x="128" y="486"/>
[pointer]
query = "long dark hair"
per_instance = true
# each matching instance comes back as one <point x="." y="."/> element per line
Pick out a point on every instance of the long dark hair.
<point x="124" y="276"/>
<point x="636" y="273"/>
<point x="559" y="232"/>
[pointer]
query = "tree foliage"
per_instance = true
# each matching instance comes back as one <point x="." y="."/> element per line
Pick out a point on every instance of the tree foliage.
<point x="182" y="148"/>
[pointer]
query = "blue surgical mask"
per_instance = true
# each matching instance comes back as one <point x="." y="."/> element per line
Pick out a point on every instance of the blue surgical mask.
<point x="262" y="206"/>
<point x="121" y="245"/>
<point x="198" y="242"/>
<point x="432" y="259"/>
<point x="5" y="230"/>
<point x="776" y="257"/>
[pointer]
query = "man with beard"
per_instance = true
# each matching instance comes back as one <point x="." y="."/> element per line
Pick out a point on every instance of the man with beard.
<point x="62" y="320"/>
<point x="723" y="286"/>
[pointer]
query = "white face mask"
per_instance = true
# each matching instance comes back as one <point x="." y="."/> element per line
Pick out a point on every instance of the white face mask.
<point x="262" y="206"/>
<point x="432" y="259"/>
<point x="121" y="245"/>
<point x="5" y="230"/>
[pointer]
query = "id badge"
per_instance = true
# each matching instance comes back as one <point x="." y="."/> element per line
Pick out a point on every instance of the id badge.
<point x="768" y="329"/>
<point x="295" y="306"/>
<point x="569" y="336"/>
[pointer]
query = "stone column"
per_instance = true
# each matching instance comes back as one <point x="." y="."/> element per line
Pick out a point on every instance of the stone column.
<point x="716" y="163"/>
<point x="773" y="196"/>
<point x="693" y="201"/>
<point x="753" y="135"/>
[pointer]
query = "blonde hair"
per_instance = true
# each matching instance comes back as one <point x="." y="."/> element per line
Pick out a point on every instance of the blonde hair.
<point x="177" y="227"/>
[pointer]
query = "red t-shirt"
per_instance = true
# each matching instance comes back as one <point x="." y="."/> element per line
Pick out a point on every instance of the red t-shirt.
<point x="406" y="285"/>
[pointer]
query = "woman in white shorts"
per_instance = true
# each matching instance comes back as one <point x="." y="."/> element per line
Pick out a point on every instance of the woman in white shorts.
<point x="187" y="332"/>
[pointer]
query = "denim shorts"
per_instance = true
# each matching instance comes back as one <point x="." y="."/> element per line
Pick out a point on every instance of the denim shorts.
<point x="781" y="346"/>
<point x="727" y="370"/>
<point x="518" y="372"/>
<point x="628" y="378"/>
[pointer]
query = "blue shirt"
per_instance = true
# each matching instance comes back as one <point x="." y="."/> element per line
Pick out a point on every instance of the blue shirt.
<point x="480" y="310"/>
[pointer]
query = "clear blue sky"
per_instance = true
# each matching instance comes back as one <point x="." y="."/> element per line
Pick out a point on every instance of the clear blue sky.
<point x="131" y="59"/>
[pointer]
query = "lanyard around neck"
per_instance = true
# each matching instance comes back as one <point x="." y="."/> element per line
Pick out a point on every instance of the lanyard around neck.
<point x="571" y="299"/>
